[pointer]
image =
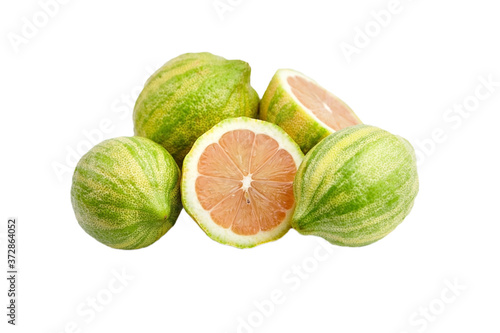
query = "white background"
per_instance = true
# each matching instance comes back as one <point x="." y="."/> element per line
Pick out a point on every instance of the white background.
<point x="83" y="64"/>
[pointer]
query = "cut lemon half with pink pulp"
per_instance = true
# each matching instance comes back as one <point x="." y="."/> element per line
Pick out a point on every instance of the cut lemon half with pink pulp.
<point x="304" y="109"/>
<point x="237" y="182"/>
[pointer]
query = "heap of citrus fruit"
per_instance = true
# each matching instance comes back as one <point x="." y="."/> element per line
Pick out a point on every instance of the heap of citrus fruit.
<point x="245" y="181"/>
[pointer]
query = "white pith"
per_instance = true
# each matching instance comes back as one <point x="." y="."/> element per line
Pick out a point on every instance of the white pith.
<point x="326" y="106"/>
<point x="190" y="174"/>
<point x="247" y="182"/>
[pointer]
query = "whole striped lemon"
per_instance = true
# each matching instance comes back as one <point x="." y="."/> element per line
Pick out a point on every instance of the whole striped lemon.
<point x="126" y="192"/>
<point x="355" y="186"/>
<point x="188" y="96"/>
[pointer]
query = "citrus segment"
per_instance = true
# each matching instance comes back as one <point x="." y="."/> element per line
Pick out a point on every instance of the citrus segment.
<point x="279" y="168"/>
<point x="265" y="147"/>
<point x="215" y="162"/>
<point x="209" y="198"/>
<point x="276" y="192"/>
<point x="235" y="144"/>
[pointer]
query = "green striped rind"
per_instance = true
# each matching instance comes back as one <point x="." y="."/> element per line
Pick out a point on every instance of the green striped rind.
<point x="279" y="107"/>
<point x="126" y="192"/>
<point x="188" y="96"/>
<point x="355" y="186"/>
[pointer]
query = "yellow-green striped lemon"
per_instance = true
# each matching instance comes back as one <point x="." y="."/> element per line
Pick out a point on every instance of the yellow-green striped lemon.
<point x="189" y="95"/>
<point x="355" y="186"/>
<point x="304" y="109"/>
<point x="126" y="192"/>
<point x="237" y="182"/>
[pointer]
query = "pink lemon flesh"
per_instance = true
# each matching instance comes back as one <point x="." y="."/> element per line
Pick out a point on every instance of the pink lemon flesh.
<point x="324" y="105"/>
